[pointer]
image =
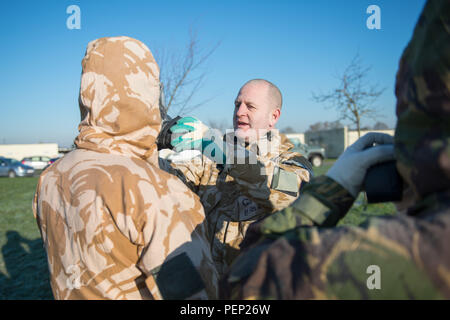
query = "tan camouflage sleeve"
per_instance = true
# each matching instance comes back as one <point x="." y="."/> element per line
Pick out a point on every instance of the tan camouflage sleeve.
<point x="196" y="172"/>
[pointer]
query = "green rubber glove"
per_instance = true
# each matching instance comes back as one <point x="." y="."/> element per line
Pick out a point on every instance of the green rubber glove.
<point x="191" y="134"/>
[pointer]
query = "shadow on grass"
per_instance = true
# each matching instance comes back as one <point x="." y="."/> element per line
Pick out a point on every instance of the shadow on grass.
<point x="27" y="272"/>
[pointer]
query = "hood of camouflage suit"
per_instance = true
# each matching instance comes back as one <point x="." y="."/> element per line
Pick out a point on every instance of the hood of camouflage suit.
<point x="119" y="99"/>
<point x="422" y="137"/>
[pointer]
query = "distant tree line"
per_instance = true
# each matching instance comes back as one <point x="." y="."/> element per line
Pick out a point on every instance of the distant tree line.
<point x="318" y="126"/>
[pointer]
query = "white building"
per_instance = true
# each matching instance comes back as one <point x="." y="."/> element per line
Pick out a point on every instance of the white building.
<point x="335" y="141"/>
<point x="20" y="151"/>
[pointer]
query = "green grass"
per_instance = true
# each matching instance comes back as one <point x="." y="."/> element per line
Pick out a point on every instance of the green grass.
<point x="23" y="264"/>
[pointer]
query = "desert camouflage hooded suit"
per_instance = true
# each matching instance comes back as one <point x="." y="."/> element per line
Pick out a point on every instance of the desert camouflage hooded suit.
<point x="298" y="254"/>
<point x="263" y="180"/>
<point x="114" y="225"/>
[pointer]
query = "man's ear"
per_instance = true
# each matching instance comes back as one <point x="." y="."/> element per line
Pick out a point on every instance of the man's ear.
<point x="276" y="113"/>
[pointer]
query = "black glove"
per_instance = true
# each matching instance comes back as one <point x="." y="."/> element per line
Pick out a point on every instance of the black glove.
<point x="165" y="135"/>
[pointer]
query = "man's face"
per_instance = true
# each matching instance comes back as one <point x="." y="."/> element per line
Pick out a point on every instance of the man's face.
<point x="252" y="111"/>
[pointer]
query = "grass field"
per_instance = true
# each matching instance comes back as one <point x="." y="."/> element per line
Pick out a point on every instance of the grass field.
<point x="23" y="264"/>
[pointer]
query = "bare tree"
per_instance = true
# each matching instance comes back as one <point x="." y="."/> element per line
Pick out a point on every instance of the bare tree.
<point x="380" y="126"/>
<point x="288" y="129"/>
<point x="318" y="126"/>
<point x="182" y="74"/>
<point x="354" y="97"/>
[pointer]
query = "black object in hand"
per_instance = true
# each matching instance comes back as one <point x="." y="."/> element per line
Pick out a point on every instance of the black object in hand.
<point x="383" y="183"/>
<point x="165" y="135"/>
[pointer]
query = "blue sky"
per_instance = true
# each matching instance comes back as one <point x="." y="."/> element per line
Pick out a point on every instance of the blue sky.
<point x="298" y="45"/>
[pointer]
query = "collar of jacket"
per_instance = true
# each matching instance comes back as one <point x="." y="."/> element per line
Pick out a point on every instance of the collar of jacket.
<point x="438" y="202"/>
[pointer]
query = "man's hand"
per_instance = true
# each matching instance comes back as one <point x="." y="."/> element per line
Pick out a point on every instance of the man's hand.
<point x="191" y="134"/>
<point x="350" y="168"/>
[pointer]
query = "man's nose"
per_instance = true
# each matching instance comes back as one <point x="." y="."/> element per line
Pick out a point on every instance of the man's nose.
<point x="242" y="110"/>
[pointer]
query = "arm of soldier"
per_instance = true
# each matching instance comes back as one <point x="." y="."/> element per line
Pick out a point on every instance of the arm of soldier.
<point x="194" y="172"/>
<point x="326" y="199"/>
<point x="190" y="170"/>
<point x="323" y="203"/>
<point x="402" y="256"/>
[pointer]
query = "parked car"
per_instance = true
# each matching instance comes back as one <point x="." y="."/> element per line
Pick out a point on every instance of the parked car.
<point x="52" y="160"/>
<point x="13" y="168"/>
<point x="314" y="154"/>
<point x="37" y="162"/>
